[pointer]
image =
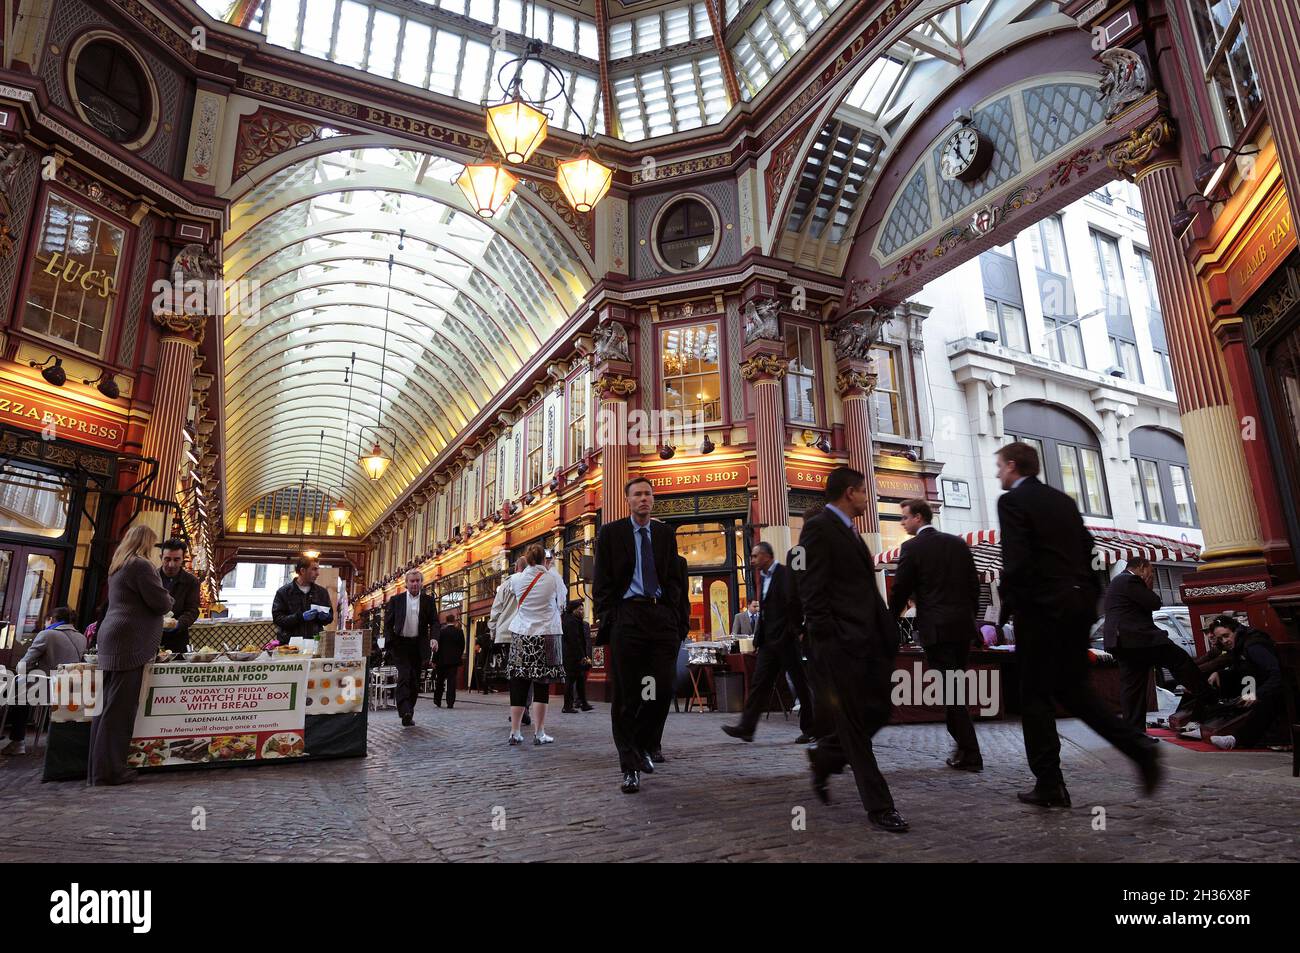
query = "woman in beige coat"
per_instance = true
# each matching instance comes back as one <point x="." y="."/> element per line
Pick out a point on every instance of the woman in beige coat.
<point x="128" y="639"/>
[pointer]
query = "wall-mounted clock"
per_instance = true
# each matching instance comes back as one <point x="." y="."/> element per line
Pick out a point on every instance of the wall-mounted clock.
<point x="965" y="155"/>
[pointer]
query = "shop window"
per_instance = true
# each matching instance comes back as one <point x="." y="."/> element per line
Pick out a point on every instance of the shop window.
<point x="112" y="91"/>
<point x="533" y="458"/>
<point x="692" y="384"/>
<point x="578" y="404"/>
<point x="886" y="399"/>
<point x="801" y="375"/>
<point x="1227" y="61"/>
<point x="1068" y="452"/>
<point x="73" y="285"/>
<point x="703" y="544"/>
<point x="32" y="503"/>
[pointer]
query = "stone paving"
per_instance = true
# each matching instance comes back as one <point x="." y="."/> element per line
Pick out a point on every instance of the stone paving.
<point x="452" y="789"/>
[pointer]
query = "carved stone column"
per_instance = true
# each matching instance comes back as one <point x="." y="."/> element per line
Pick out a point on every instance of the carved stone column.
<point x="764" y="367"/>
<point x="855" y="381"/>
<point x="173" y="384"/>
<point x="614" y="384"/>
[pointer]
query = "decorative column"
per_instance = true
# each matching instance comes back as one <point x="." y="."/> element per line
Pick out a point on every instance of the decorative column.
<point x="173" y="384"/>
<point x="1211" y="425"/>
<point x="1273" y="32"/>
<point x="855" y="380"/>
<point x="764" y="366"/>
<point x="614" y="385"/>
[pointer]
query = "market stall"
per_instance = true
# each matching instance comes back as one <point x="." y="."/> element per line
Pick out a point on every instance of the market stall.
<point x="220" y="709"/>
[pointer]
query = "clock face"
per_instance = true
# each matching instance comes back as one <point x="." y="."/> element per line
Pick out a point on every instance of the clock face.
<point x="959" y="152"/>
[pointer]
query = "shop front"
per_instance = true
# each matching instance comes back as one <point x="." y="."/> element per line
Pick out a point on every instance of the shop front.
<point x="58" y="497"/>
<point x="709" y="505"/>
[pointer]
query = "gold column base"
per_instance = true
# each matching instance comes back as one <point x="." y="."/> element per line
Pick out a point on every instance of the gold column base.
<point x="1224" y="496"/>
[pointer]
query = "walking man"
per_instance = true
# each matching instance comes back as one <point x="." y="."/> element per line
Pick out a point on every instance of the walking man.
<point x="408" y="632"/>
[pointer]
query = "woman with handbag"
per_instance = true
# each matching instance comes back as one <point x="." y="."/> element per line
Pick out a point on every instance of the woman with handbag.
<point x="537" y="642"/>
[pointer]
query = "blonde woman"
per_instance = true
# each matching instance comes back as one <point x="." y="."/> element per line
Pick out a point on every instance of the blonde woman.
<point x="128" y="639"/>
<point x="536" y="645"/>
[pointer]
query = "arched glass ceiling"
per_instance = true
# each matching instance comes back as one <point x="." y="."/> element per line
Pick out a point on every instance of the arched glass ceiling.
<point x="894" y="91"/>
<point x="306" y="259"/>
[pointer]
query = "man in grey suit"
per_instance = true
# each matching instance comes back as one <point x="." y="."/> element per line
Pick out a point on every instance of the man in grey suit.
<point x="746" y="622"/>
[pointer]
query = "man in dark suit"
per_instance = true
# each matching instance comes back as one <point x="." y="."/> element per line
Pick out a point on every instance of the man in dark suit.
<point x="451" y="646"/>
<point x="1049" y="586"/>
<point x="184" y="589"/>
<point x="637" y="592"/>
<point x="780" y="623"/>
<point x="577" y="657"/>
<point x="1139" y="645"/>
<point x="937" y="572"/>
<point x="408" y="632"/>
<point x="853" y="640"/>
<point x="746" y="623"/>
<point x="654" y="747"/>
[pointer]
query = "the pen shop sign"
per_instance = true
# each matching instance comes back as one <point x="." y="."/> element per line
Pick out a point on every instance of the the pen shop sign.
<point x="58" y="418"/>
<point x="695" y="480"/>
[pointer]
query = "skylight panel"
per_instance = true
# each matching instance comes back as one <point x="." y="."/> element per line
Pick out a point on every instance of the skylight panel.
<point x="648" y="34"/>
<point x="588" y="41"/>
<point x="677" y="26"/>
<point x="446" y="62"/>
<point x="474" y="71"/>
<point x="700" y="16"/>
<point x="282" y="22"/>
<point x="316" y="30"/>
<point x="620" y="40"/>
<point x="414" y="65"/>
<point x="384" y="31"/>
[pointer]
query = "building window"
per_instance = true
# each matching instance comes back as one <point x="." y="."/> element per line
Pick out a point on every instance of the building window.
<point x="73" y="287"/>
<point x="686" y="235"/>
<point x="1229" y="68"/>
<point x="886" y="399"/>
<point x="534" y="450"/>
<point x="1125" y="354"/>
<point x="1064" y="340"/>
<point x="579" y="402"/>
<point x="692" y="385"/>
<point x="1007" y="321"/>
<point x="490" y="481"/>
<point x="112" y="92"/>
<point x="1162" y="480"/>
<point x="259" y="576"/>
<point x="1068" y="452"/>
<point x="1110" y="274"/>
<point x="801" y="376"/>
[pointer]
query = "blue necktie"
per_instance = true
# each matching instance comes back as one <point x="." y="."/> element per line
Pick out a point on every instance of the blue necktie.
<point x="649" y="576"/>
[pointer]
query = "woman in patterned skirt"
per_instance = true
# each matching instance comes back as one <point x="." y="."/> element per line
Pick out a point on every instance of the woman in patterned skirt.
<point x="536" y="647"/>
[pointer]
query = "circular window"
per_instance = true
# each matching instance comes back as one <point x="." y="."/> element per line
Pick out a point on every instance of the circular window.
<point x="686" y="235"/>
<point x="113" y="91"/>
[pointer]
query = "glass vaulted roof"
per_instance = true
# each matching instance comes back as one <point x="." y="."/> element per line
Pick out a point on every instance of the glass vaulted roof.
<point x="665" y="63"/>
<point x="307" y="262"/>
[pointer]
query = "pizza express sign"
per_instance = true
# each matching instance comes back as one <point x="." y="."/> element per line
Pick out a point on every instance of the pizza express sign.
<point x="59" y="418"/>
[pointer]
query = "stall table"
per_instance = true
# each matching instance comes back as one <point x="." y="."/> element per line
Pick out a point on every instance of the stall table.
<point x="222" y="713"/>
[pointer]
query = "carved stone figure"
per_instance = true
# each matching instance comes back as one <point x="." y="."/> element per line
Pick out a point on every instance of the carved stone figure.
<point x="612" y="343"/>
<point x="1123" y="80"/>
<point x="12" y="157"/>
<point x="761" y="321"/>
<point x="195" y="262"/>
<point x="853" y="336"/>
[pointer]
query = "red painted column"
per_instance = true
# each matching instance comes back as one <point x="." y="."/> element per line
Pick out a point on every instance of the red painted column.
<point x="854" y="382"/>
<point x="765" y="371"/>
<point x="1273" y="34"/>
<point x="164" y="441"/>
<point x="614" y="389"/>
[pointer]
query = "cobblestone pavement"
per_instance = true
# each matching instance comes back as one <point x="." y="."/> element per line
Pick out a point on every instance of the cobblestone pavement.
<point x="433" y="792"/>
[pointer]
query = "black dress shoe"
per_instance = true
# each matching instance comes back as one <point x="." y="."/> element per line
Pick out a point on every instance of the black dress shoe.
<point x="805" y="740"/>
<point x="1049" y="797"/>
<point x="631" y="782"/>
<point x="1152" y="773"/>
<point x="568" y="711"/>
<point x="962" y="763"/>
<point x="820" y="787"/>
<point x="647" y="763"/>
<point x="889" y="820"/>
<point x="657" y="756"/>
<point x="585" y="707"/>
<point x="737" y="732"/>
<point x="407" y="721"/>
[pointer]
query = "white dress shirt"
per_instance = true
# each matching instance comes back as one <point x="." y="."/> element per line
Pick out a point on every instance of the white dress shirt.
<point x="539" y="613"/>
<point x="411" y="625"/>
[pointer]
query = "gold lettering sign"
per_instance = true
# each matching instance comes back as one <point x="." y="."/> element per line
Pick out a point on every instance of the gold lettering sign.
<point x="74" y="272"/>
<point x="58" y="417"/>
<point x="699" y="480"/>
<point x="1266" y="243"/>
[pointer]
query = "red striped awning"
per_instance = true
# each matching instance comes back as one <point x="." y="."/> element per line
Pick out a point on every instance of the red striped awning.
<point x="1113" y="545"/>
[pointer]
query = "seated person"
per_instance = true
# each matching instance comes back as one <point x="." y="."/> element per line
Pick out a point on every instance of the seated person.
<point x="1254" y="675"/>
<point x="59" y="643"/>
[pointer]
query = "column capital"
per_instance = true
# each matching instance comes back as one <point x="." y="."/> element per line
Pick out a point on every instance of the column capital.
<point x="855" y="382"/>
<point x="1144" y="150"/>
<point x="185" y="328"/>
<point x="615" y="385"/>
<point x="763" y="368"/>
